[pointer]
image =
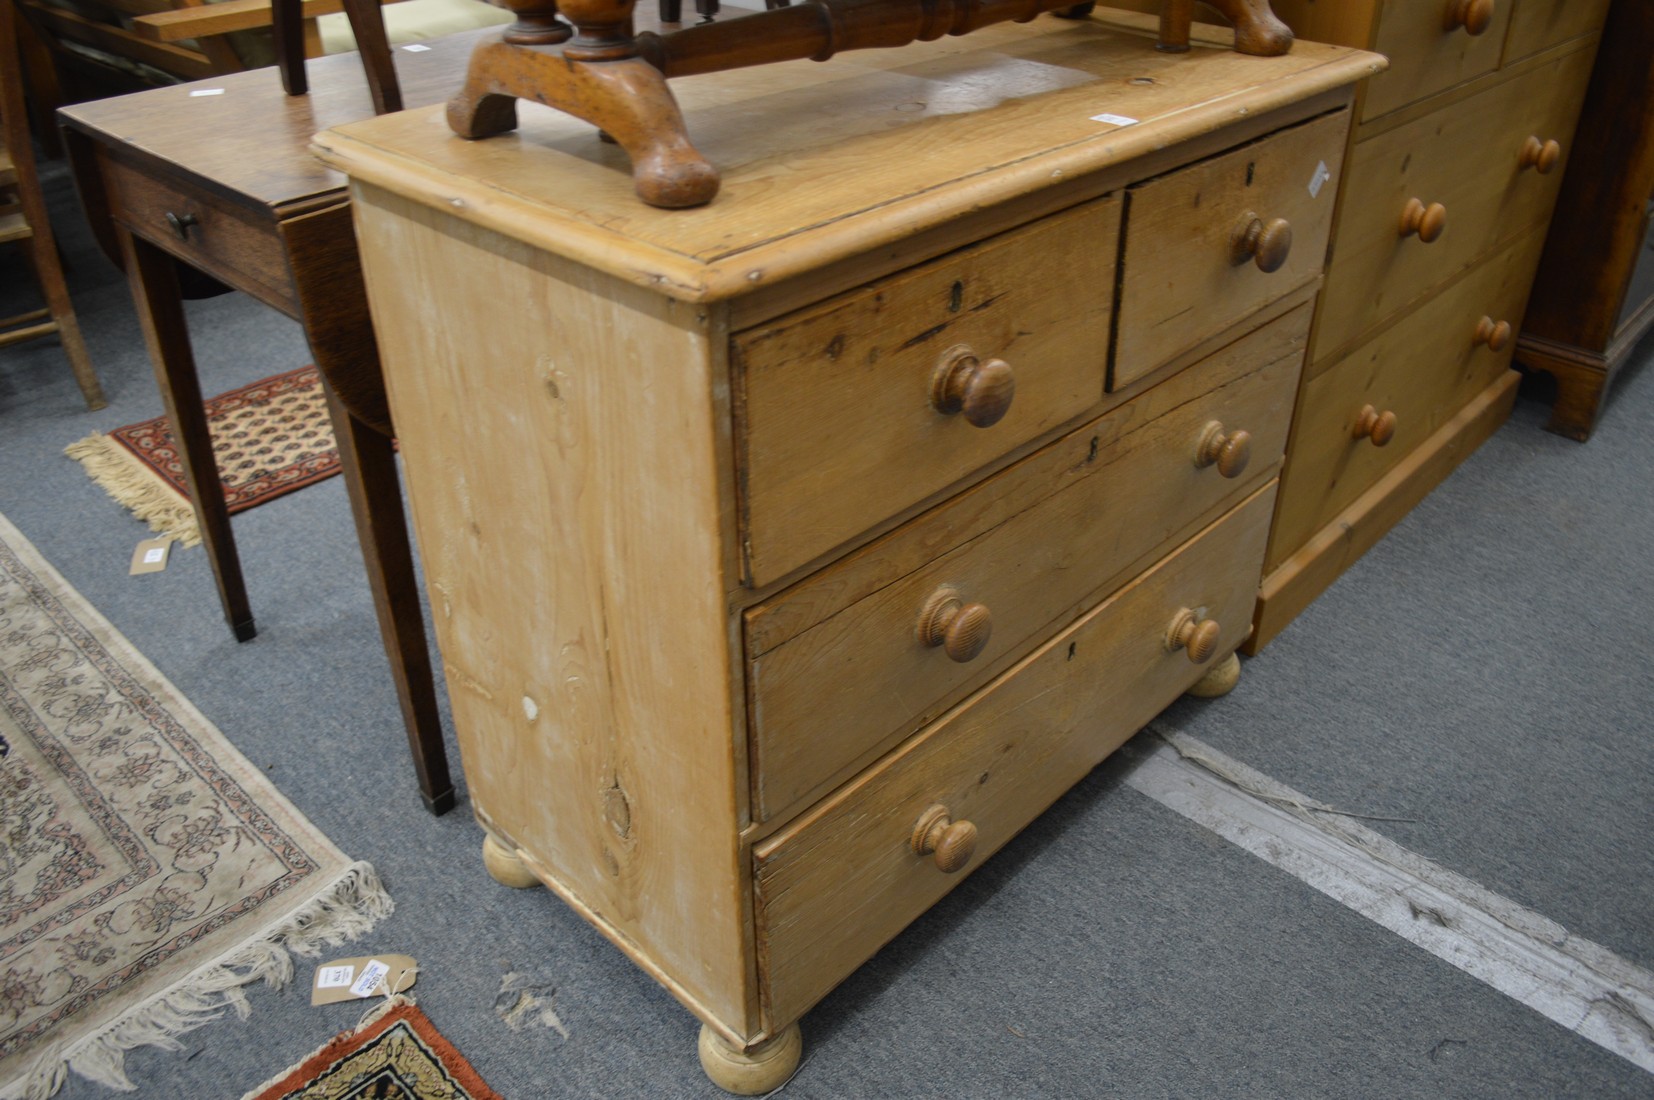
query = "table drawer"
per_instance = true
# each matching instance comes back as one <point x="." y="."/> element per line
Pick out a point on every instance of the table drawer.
<point x="1187" y="275"/>
<point x="1421" y="371"/>
<point x="204" y="230"/>
<point x="842" y="409"/>
<point x="844" y="880"/>
<point x="1540" y="24"/>
<point x="1434" y="45"/>
<point x="839" y="667"/>
<point x="1469" y="162"/>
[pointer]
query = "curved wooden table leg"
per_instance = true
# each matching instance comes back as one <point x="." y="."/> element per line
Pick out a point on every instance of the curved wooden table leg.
<point x="754" y="1072"/>
<point x="505" y="867"/>
<point x="1220" y="679"/>
<point x="1258" y="30"/>
<point x="626" y="98"/>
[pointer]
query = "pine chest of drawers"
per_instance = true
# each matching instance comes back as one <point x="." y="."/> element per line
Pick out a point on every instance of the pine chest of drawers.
<point x="789" y="555"/>
<point x="1456" y="159"/>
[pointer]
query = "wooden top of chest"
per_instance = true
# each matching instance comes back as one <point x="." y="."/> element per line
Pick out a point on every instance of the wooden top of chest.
<point x="823" y="161"/>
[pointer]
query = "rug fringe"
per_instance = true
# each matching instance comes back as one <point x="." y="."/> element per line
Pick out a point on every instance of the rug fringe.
<point x="349" y="908"/>
<point x="123" y="476"/>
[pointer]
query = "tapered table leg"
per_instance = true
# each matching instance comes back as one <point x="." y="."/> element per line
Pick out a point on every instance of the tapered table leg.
<point x="368" y="462"/>
<point x="154" y="282"/>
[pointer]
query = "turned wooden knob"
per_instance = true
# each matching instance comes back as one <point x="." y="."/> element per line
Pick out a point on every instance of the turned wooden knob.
<point x="951" y="842"/>
<point x="1475" y="16"/>
<point x="1496" y="335"/>
<point x="1426" y="221"/>
<point x="1230" y="451"/>
<point x="961" y="629"/>
<point x="1380" y="427"/>
<point x="965" y="383"/>
<point x="1265" y="243"/>
<point x="1541" y="156"/>
<point x="1195" y="636"/>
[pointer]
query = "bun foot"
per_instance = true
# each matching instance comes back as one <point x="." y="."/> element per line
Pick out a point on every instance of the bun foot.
<point x="505" y="867"/>
<point x="1220" y="680"/>
<point x="753" y="1072"/>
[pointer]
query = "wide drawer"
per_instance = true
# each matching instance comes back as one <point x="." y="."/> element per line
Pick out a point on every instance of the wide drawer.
<point x="1419" y="373"/>
<point x="1209" y="245"/>
<point x="845" y="879"/>
<point x="864" y="405"/>
<point x="1469" y="163"/>
<point x="1540" y="24"/>
<point x="1434" y="45"/>
<point x="840" y="666"/>
<point x="207" y="232"/>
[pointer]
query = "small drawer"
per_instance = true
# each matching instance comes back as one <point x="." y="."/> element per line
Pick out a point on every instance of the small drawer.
<point x="870" y="650"/>
<point x="1429" y="199"/>
<point x="1211" y="244"/>
<point x="846" y="878"/>
<point x="1434" y="45"/>
<point x="853" y="410"/>
<point x="203" y="230"/>
<point x="1540" y="24"/>
<point x="1365" y="413"/>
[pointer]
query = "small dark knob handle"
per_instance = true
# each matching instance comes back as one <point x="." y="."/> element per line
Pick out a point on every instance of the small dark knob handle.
<point x="1229" y="451"/>
<point x="951" y="843"/>
<point x="1496" y="335"/>
<point x="966" y="383"/>
<point x="1475" y="16"/>
<point x="961" y="629"/>
<point x="1426" y="221"/>
<point x="1265" y="243"/>
<point x="1380" y="427"/>
<point x="1194" y="635"/>
<point x="180" y="224"/>
<point x="1541" y="156"/>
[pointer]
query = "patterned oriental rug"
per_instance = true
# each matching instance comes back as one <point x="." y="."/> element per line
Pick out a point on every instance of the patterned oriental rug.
<point x="270" y="438"/>
<point x="147" y="870"/>
<point x="396" y="1054"/>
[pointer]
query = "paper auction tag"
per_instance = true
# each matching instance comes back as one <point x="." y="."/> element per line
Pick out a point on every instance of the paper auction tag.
<point x="369" y="976"/>
<point x="151" y="556"/>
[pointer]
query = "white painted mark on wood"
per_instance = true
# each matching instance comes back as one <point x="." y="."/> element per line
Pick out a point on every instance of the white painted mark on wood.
<point x="1578" y="984"/>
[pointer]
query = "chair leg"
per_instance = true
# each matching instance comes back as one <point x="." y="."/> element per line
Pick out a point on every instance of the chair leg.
<point x="367" y="23"/>
<point x="48" y="272"/>
<point x="287" y="27"/>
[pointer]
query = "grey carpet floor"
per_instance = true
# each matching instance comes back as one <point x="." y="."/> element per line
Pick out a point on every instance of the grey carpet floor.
<point x="1483" y="672"/>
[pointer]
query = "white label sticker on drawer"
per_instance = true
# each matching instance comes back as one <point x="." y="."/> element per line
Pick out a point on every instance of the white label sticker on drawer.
<point x="1319" y="179"/>
<point x="206" y="91"/>
<point x="1114" y="120"/>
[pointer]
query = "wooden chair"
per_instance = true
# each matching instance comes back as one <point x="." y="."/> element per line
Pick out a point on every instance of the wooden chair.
<point x="77" y="50"/>
<point x="23" y="221"/>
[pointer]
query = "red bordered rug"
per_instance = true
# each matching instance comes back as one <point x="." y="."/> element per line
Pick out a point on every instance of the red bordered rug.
<point x="397" y="1054"/>
<point x="270" y="438"/>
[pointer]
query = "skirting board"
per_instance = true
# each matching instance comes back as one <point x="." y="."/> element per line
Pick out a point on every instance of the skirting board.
<point x="1305" y="575"/>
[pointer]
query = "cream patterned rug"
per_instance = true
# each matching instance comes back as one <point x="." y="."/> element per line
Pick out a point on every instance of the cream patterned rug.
<point x="147" y="870"/>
